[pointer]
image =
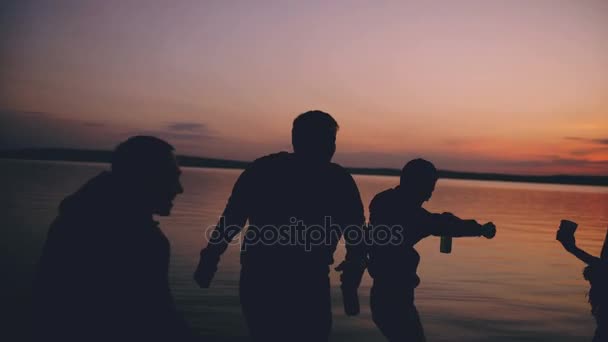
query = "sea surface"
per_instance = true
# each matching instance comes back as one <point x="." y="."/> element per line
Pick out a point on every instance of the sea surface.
<point x="520" y="286"/>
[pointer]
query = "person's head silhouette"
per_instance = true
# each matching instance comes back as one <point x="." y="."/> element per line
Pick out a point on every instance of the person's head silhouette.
<point x="313" y="136"/>
<point x="418" y="179"/>
<point x="145" y="168"/>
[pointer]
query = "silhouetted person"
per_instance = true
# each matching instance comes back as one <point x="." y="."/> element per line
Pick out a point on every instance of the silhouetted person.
<point x="298" y="205"/>
<point x="103" y="273"/>
<point x="393" y="261"/>
<point x="596" y="273"/>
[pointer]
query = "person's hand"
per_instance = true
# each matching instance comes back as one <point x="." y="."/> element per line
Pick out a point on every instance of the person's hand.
<point x="567" y="239"/>
<point x="350" y="298"/>
<point x="207" y="266"/>
<point x="488" y="230"/>
<point x="204" y="274"/>
<point x="352" y="272"/>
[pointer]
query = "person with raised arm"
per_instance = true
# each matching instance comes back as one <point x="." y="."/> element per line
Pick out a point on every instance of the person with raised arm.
<point x="397" y="223"/>
<point x="596" y="273"/>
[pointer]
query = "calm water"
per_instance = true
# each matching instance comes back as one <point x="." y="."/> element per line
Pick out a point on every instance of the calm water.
<point x="521" y="286"/>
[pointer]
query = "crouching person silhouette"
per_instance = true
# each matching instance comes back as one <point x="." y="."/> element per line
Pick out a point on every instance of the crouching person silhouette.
<point x="393" y="261"/>
<point x="103" y="273"/>
<point x="596" y="272"/>
<point x="284" y="284"/>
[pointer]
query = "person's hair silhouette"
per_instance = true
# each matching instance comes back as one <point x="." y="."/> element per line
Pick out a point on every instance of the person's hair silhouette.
<point x="145" y="167"/>
<point x="313" y="136"/>
<point x="393" y="266"/>
<point x="596" y="272"/>
<point x="103" y="273"/>
<point x="284" y="285"/>
<point x="418" y="179"/>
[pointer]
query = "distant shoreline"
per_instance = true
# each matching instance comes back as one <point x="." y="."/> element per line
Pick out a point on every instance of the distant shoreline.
<point x="75" y="155"/>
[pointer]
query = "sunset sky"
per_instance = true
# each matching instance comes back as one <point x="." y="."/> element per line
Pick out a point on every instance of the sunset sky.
<point x="502" y="86"/>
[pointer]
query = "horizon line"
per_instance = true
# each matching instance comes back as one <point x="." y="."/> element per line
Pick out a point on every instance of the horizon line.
<point x="79" y="155"/>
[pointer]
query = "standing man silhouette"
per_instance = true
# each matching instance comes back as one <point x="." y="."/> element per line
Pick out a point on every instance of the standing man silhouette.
<point x="298" y="206"/>
<point x="398" y="216"/>
<point x="103" y="273"/>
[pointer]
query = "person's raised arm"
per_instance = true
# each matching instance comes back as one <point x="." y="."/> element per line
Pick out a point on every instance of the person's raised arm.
<point x="584" y="256"/>
<point x="447" y="224"/>
<point x="231" y="222"/>
<point x="569" y="242"/>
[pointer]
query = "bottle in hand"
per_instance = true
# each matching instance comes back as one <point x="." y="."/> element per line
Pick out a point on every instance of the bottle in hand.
<point x="351" y="301"/>
<point x="446" y="245"/>
<point x="567" y="227"/>
<point x="565" y="233"/>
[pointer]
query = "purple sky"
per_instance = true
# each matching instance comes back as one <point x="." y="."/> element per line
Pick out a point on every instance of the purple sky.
<point x="504" y="86"/>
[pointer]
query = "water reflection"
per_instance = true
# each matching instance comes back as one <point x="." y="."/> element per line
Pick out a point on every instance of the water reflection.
<point x="519" y="286"/>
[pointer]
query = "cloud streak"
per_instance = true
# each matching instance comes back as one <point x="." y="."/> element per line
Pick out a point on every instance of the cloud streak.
<point x="191" y="132"/>
<point x="187" y="126"/>
<point x="600" y="141"/>
<point x="22" y="129"/>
